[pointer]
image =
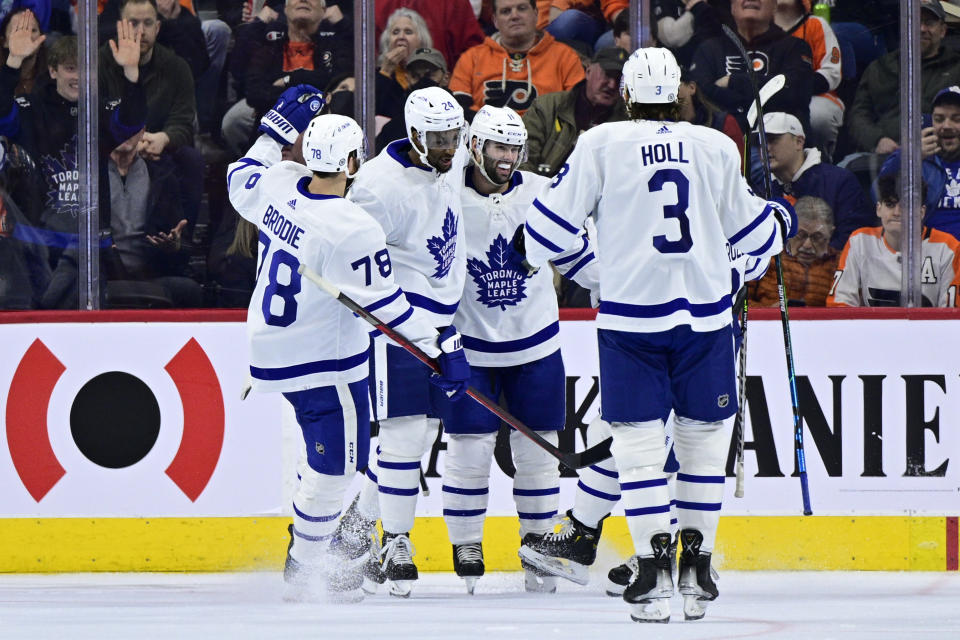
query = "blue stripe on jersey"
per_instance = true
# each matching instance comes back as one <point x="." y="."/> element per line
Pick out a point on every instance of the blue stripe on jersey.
<point x="560" y="222"/>
<point x="696" y="309"/>
<point x="537" y="492"/>
<point x="382" y="302"/>
<point x="302" y="185"/>
<point x="643" y="484"/>
<point x="686" y="477"/>
<point x="536" y="516"/>
<point x="303" y="516"/>
<point x="466" y="492"/>
<point x="394" y="491"/>
<point x="398" y="150"/>
<point x="244" y="163"/>
<point x="645" y="511"/>
<point x="430" y="304"/>
<point x="604" y="472"/>
<point x="698" y="506"/>
<point x="399" y="320"/>
<point x="539" y="238"/>
<point x="596" y="492"/>
<point x="743" y="233"/>
<point x="573" y="256"/>
<point x="398" y="465"/>
<point x="509" y="346"/>
<point x="464" y="513"/>
<point x="371" y="475"/>
<point x="766" y="245"/>
<point x="319" y="366"/>
<point x="575" y="269"/>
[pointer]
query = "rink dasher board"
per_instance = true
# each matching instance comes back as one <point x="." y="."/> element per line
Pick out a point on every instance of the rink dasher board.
<point x="878" y="391"/>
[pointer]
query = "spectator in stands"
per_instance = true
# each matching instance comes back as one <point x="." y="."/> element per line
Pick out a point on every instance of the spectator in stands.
<point x="621" y="31"/>
<point x="826" y="108"/>
<point x="32" y="66"/>
<point x="808" y="263"/>
<point x="874" y="122"/>
<point x="425" y="68"/>
<point x="799" y="171"/>
<point x="45" y="124"/>
<point x="147" y="222"/>
<point x="517" y="64"/>
<point x="452" y="24"/>
<point x="404" y="33"/>
<point x="681" y="25"/>
<point x="555" y="120"/>
<point x="721" y="73"/>
<point x="869" y="270"/>
<point x="696" y="109"/>
<point x="580" y="20"/>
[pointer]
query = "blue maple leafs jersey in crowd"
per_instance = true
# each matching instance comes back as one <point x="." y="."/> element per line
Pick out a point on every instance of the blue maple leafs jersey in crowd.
<point x="419" y="211"/>
<point x="670" y="205"/>
<point x="506" y="319"/>
<point x="300" y="336"/>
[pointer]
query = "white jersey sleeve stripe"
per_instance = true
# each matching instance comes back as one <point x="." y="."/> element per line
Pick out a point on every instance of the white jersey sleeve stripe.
<point x="550" y="215"/>
<point x="766" y="245"/>
<point x="756" y="222"/>
<point x="431" y="305"/>
<point x="539" y="239"/>
<point x="403" y="317"/>
<point x="573" y="256"/>
<point x="373" y="306"/>
<point x="308" y="368"/>
<point x="506" y="346"/>
<point x="695" y="309"/>
<point x="243" y="163"/>
<point x="575" y="269"/>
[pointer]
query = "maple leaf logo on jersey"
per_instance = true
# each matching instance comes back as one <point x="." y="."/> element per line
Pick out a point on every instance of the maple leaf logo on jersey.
<point x="443" y="247"/>
<point x="63" y="180"/>
<point x="497" y="284"/>
<point x="953" y="188"/>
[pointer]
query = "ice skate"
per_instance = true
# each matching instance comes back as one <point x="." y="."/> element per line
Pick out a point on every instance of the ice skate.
<point x="345" y="571"/>
<point x="396" y="561"/>
<point x="468" y="563"/>
<point x="566" y="552"/>
<point x="357" y="535"/>
<point x="296" y="576"/>
<point x="652" y="586"/>
<point x="697" y="579"/>
<point x="620" y="576"/>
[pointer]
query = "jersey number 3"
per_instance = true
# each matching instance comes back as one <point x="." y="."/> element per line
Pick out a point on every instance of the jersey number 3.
<point x="677" y="211"/>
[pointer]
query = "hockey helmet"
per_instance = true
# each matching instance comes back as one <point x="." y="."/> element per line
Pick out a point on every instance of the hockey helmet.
<point x="437" y="118"/>
<point x="329" y="141"/>
<point x="651" y="75"/>
<point x="497" y="124"/>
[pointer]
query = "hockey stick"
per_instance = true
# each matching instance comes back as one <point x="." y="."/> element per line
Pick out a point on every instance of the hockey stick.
<point x="571" y="460"/>
<point x="781" y="290"/>
<point x="767" y="91"/>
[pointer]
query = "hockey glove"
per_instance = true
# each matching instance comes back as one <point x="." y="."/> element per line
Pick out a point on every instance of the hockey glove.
<point x="517" y="255"/>
<point x="294" y="110"/>
<point x="454" y="373"/>
<point x="787" y="218"/>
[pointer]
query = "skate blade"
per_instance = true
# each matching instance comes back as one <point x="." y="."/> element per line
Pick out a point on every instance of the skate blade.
<point x="562" y="568"/>
<point x="694" y="608"/>
<point x="614" y="590"/>
<point x="532" y="583"/>
<point x="369" y="586"/>
<point x="471" y="583"/>
<point x="400" y="588"/>
<point x="657" y="611"/>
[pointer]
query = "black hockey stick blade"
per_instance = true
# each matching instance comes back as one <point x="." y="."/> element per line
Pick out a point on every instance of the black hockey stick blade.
<point x="571" y="460"/>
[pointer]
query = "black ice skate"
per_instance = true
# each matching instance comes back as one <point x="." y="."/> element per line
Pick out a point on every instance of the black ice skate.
<point x="696" y="581"/>
<point x="345" y="571"/>
<point x="566" y="552"/>
<point x="396" y="561"/>
<point x="652" y="586"/>
<point x="468" y="563"/>
<point x="357" y="536"/>
<point x="621" y="575"/>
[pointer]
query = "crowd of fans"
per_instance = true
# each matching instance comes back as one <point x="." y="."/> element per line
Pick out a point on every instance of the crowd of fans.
<point x="183" y="83"/>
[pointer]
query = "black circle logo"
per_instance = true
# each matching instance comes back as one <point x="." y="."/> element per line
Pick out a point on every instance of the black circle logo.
<point x="115" y="420"/>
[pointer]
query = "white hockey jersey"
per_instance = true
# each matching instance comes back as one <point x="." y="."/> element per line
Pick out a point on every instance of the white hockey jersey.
<point x="868" y="273"/>
<point x="670" y="206"/>
<point x="419" y="211"/>
<point x="506" y="319"/>
<point x="300" y="336"/>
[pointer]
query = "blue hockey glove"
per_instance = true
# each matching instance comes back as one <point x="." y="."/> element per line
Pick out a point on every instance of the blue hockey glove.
<point x="294" y="110"/>
<point x="454" y="373"/>
<point x="787" y="218"/>
<point x="517" y="255"/>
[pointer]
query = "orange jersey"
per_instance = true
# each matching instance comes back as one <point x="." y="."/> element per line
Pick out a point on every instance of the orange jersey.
<point x="816" y="32"/>
<point x="490" y="75"/>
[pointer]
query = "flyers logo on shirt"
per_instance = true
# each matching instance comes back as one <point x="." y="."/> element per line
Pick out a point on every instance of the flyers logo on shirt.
<point x="115" y="417"/>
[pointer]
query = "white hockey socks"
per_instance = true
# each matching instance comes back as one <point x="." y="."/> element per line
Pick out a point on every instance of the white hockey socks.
<point x="316" y="512"/>
<point x="701" y="448"/>
<point x="403" y="441"/>
<point x="466" y="485"/>
<point x="639" y="452"/>
<point x="598" y="489"/>
<point x="536" y="483"/>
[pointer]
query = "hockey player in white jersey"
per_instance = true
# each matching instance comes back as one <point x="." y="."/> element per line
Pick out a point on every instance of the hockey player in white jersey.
<point x="412" y="189"/>
<point x="303" y="342"/>
<point x="510" y="327"/>
<point x="669" y="202"/>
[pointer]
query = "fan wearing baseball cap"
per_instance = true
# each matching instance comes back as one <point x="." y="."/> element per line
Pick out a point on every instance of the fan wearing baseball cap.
<point x="799" y="171"/>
